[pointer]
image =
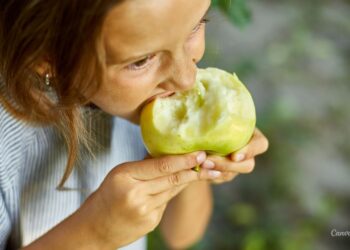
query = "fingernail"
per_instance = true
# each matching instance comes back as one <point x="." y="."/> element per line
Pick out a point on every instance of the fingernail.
<point x="201" y="157"/>
<point x="239" y="157"/>
<point x="214" y="173"/>
<point x="208" y="164"/>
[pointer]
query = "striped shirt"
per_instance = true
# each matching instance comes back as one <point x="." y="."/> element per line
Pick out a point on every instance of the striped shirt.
<point x="32" y="161"/>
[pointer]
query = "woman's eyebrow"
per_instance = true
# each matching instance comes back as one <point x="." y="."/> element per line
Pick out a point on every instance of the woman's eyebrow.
<point x="139" y="57"/>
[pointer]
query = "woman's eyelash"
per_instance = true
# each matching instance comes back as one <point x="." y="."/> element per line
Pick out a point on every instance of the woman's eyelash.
<point x="141" y="63"/>
<point x="203" y="21"/>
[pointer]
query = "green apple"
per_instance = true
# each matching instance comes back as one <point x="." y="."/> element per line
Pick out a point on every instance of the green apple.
<point x="216" y="116"/>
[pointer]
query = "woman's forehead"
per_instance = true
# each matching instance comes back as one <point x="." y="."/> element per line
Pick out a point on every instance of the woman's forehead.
<point x="148" y="25"/>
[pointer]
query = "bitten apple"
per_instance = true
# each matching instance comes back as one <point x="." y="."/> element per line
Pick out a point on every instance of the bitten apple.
<point x="216" y="116"/>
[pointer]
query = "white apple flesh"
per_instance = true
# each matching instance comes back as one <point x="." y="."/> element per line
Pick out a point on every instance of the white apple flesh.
<point x="216" y="116"/>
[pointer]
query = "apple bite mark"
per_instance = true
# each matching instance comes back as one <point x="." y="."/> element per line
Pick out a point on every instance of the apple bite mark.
<point x="217" y="116"/>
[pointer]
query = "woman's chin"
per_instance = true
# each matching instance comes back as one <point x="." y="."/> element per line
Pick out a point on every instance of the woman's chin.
<point x="133" y="117"/>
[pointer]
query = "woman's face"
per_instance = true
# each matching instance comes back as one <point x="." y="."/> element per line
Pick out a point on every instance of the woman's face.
<point x="152" y="48"/>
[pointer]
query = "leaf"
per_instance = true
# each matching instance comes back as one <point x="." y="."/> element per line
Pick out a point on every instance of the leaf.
<point x="236" y="10"/>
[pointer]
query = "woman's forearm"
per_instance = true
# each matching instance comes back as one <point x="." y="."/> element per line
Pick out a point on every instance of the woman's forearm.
<point x="187" y="215"/>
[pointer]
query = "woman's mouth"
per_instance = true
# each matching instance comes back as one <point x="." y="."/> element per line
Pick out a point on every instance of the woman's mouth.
<point x="162" y="95"/>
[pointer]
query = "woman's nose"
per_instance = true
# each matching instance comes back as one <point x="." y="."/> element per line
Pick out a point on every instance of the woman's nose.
<point x="183" y="75"/>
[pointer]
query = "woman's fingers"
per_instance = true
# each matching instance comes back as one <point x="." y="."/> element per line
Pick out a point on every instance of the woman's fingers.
<point x="163" y="198"/>
<point x="257" y="145"/>
<point x="224" y="164"/>
<point x="164" y="166"/>
<point x="177" y="179"/>
<point x="239" y="162"/>
<point x="226" y="177"/>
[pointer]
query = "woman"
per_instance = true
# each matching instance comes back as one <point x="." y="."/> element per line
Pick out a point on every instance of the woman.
<point x="78" y="73"/>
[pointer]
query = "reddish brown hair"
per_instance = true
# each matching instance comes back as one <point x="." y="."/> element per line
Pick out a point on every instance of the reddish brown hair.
<point x="65" y="34"/>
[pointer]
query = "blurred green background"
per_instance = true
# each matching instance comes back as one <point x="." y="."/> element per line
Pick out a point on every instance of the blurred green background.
<point x="294" y="57"/>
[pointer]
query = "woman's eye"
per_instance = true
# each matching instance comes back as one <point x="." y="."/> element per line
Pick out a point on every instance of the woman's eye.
<point x="141" y="63"/>
<point x="203" y="21"/>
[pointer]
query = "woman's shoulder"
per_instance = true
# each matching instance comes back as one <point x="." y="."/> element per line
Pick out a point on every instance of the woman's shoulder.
<point x="14" y="138"/>
<point x="10" y="127"/>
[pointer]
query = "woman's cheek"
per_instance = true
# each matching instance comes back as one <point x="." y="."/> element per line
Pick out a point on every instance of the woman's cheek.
<point x="135" y="90"/>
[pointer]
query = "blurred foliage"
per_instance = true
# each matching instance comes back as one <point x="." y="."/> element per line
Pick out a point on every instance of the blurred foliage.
<point x="294" y="57"/>
<point x="236" y="10"/>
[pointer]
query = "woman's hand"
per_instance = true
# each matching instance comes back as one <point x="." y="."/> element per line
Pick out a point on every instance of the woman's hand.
<point x="131" y="200"/>
<point x="240" y="162"/>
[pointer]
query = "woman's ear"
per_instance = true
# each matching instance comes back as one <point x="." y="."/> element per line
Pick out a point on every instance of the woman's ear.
<point x="43" y="68"/>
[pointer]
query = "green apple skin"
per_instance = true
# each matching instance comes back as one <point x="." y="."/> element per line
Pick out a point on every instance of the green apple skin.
<point x="216" y="131"/>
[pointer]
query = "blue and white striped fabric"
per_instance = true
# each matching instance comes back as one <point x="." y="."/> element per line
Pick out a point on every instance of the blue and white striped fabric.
<point x="32" y="161"/>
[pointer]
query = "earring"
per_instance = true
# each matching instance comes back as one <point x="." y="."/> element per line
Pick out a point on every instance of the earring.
<point x="47" y="79"/>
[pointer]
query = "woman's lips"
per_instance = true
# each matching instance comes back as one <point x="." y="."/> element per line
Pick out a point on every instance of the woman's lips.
<point x="162" y="95"/>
